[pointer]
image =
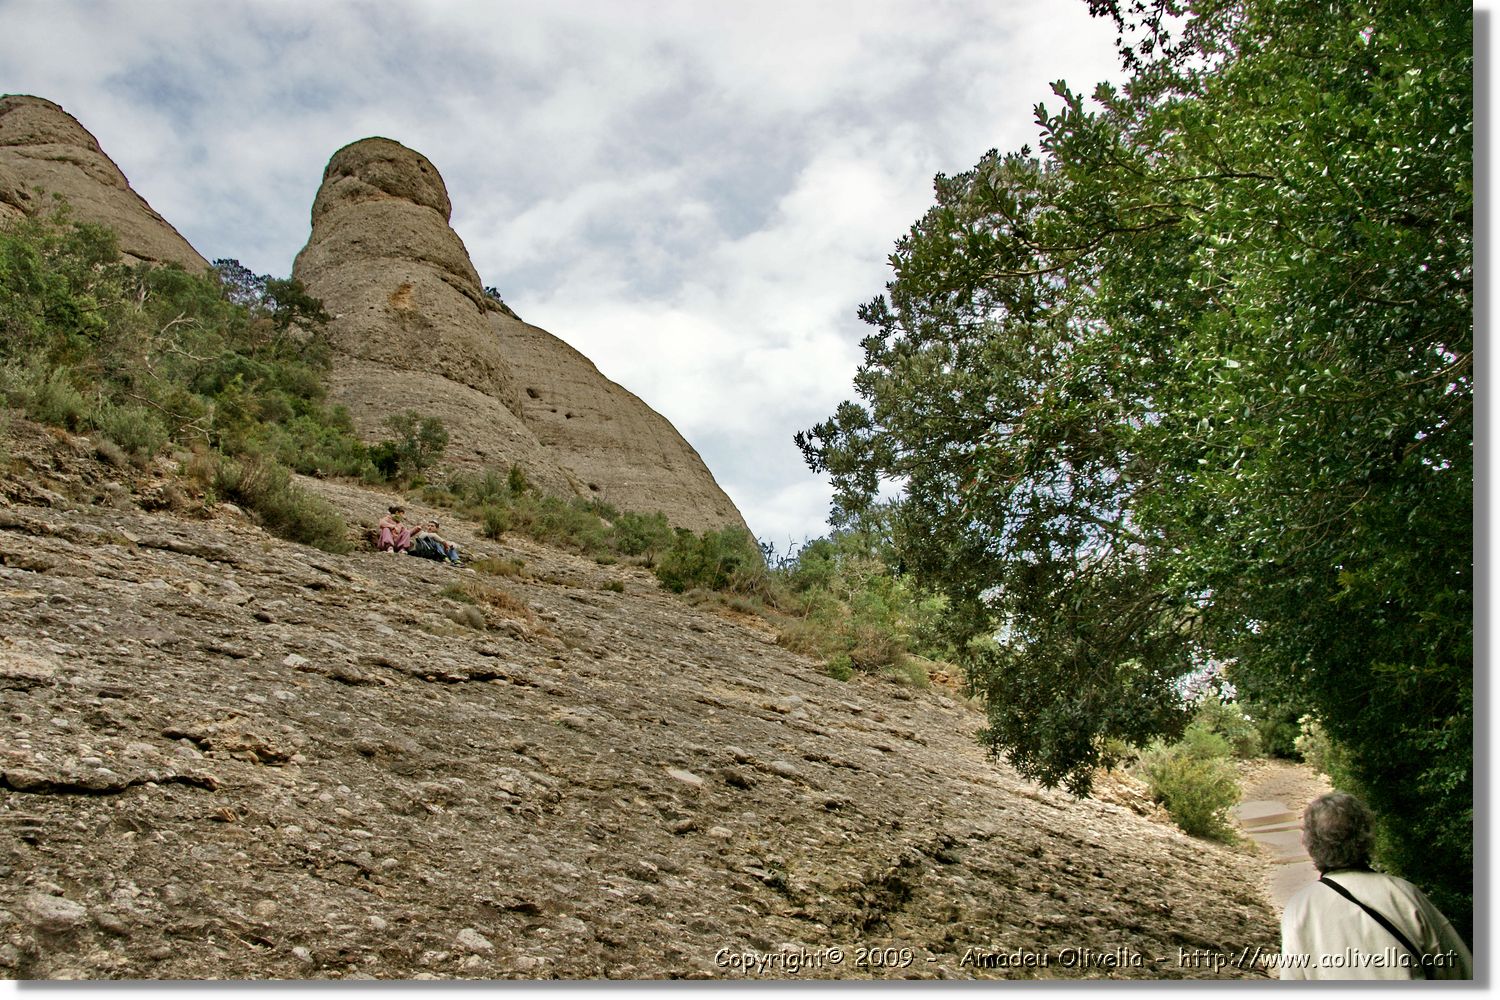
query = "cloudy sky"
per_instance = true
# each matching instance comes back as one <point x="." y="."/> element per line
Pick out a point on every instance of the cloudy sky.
<point x="697" y="195"/>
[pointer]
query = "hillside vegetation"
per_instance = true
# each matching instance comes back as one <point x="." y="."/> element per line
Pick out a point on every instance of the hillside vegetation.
<point x="232" y="382"/>
<point x="1188" y="390"/>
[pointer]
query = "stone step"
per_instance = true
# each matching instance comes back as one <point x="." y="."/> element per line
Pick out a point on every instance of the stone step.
<point x="1276" y="828"/>
<point x="1261" y="813"/>
<point x="1286" y="843"/>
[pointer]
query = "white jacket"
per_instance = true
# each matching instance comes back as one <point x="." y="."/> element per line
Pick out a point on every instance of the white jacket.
<point x="1325" y="936"/>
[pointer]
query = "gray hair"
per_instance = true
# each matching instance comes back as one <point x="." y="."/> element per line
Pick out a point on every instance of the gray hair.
<point x="1338" y="831"/>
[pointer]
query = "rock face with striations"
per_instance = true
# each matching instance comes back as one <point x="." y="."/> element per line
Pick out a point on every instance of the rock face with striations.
<point x="44" y="151"/>
<point x="413" y="329"/>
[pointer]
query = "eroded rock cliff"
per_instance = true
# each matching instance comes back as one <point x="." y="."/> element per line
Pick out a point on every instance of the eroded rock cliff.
<point x="44" y="151"/>
<point x="414" y="330"/>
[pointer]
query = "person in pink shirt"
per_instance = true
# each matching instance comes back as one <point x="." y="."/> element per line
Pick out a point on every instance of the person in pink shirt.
<point x="394" y="536"/>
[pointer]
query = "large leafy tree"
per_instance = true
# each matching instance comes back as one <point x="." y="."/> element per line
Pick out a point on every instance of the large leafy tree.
<point x="1193" y="383"/>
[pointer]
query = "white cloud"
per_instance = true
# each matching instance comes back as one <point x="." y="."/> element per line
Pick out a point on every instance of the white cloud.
<point x="697" y="196"/>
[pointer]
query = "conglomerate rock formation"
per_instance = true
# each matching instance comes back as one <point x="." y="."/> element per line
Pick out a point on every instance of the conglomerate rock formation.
<point x="44" y="151"/>
<point x="415" y="330"/>
<point x="224" y="755"/>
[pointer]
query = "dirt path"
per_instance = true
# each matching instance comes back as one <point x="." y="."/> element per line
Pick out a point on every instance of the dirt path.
<point x="1274" y="793"/>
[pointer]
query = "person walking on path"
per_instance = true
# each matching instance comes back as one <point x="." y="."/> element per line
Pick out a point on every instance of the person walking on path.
<point x="1355" y="923"/>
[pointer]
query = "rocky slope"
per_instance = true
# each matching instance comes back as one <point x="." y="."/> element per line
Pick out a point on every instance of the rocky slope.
<point x="44" y="151"/>
<point x="414" y="330"/>
<point x="224" y="755"/>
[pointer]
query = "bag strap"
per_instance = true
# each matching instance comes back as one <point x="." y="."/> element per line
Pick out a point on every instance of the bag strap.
<point x="1380" y="919"/>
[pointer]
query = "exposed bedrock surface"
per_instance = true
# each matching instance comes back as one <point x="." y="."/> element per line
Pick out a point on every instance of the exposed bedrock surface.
<point x="225" y="755"/>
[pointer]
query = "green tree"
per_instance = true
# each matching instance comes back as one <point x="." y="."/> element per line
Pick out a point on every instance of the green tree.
<point x="148" y="355"/>
<point x="284" y="300"/>
<point x="1194" y="381"/>
<point x="419" y="440"/>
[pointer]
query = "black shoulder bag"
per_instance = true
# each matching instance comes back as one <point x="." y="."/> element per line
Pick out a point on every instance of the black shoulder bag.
<point x="1380" y="919"/>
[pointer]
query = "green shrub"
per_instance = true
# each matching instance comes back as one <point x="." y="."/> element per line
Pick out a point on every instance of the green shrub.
<point x="874" y="646"/>
<point x="134" y="428"/>
<point x="1195" y="781"/>
<point x="910" y="671"/>
<point x="839" y="600"/>
<point x="506" y="501"/>
<point x="50" y="398"/>
<point x="495" y="521"/>
<point x="316" y="445"/>
<point x="500" y="567"/>
<point x="801" y="635"/>
<point x="729" y="558"/>
<point x="264" y="487"/>
<point x="515" y="481"/>
<point x="816" y="567"/>
<point x="109" y="452"/>
<point x="635" y="534"/>
<point x="439" y="495"/>
<point x="568" y="523"/>
<point x="457" y="592"/>
<point x="487" y="487"/>
<point x="1230" y="721"/>
<point x="602" y="509"/>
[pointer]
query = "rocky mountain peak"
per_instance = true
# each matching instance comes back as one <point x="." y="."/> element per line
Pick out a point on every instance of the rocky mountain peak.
<point x="44" y="151"/>
<point x="375" y="169"/>
<point x="34" y="121"/>
<point x="413" y="329"/>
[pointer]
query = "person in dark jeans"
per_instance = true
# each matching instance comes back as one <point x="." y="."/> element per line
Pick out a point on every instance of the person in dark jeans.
<point x="426" y="542"/>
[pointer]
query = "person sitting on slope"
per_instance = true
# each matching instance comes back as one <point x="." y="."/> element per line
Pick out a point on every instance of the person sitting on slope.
<point x="426" y="542"/>
<point x="394" y="536"/>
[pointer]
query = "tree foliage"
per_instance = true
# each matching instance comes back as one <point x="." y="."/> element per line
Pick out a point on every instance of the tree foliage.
<point x="284" y="300"/>
<point x="418" y="441"/>
<point x="1193" y="382"/>
<point x="229" y="360"/>
<point x="228" y="364"/>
